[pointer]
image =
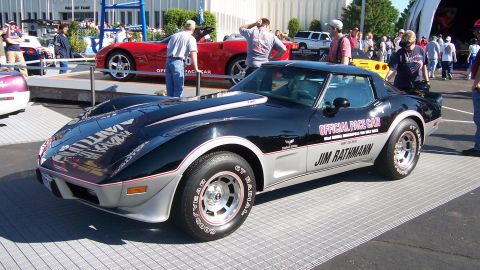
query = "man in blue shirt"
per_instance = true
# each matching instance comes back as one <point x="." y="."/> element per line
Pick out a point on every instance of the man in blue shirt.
<point x="63" y="50"/>
<point x="13" y="38"/>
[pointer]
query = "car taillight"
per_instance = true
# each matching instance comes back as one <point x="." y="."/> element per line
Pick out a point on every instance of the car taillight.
<point x="31" y="51"/>
<point x="384" y="67"/>
<point x="377" y="67"/>
<point x="294" y="46"/>
<point x="7" y="98"/>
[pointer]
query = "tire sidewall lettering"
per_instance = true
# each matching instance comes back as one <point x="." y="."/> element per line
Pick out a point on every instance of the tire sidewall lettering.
<point x="243" y="211"/>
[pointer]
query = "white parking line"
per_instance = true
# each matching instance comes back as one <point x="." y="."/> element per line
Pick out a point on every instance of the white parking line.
<point x="453" y="109"/>
<point x="458" y="121"/>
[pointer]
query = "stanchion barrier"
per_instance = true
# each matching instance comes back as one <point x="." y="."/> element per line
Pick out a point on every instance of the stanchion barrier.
<point x="92" y="83"/>
<point x="93" y="69"/>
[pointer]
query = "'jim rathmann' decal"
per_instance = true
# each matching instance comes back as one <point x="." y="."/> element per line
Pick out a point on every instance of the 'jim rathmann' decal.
<point x="348" y="129"/>
<point x="344" y="154"/>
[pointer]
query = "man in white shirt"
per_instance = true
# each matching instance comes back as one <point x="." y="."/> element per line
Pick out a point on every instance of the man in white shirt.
<point x="121" y="35"/>
<point x="179" y="47"/>
<point x="448" y="56"/>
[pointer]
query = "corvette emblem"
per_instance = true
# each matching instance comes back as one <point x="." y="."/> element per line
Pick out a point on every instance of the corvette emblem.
<point x="290" y="144"/>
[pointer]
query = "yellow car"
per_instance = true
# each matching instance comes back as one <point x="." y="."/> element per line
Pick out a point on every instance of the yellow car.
<point x="360" y="59"/>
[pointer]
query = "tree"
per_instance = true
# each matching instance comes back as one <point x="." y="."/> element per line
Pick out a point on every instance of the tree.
<point x="380" y="17"/>
<point x="293" y="27"/>
<point x="404" y="16"/>
<point x="315" y="25"/>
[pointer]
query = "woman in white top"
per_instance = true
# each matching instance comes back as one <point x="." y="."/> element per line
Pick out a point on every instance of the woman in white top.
<point x="472" y="53"/>
<point x="368" y="46"/>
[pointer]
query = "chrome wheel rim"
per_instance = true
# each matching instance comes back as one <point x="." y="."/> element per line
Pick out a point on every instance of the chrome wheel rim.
<point x="405" y="150"/>
<point x="239" y="68"/>
<point x="221" y="198"/>
<point x="119" y="62"/>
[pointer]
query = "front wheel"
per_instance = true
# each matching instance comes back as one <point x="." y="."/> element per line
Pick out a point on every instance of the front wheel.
<point x="120" y="61"/>
<point x="402" y="151"/>
<point x="216" y="196"/>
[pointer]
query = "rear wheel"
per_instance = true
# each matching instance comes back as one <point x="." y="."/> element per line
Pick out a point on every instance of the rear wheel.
<point x="120" y="61"/>
<point x="216" y="197"/>
<point x="302" y="46"/>
<point x="237" y="66"/>
<point x="400" y="155"/>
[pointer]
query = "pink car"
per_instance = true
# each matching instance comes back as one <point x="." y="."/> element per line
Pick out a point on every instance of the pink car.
<point x="14" y="93"/>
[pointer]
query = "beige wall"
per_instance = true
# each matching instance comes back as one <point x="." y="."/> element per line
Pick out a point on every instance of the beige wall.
<point x="230" y="14"/>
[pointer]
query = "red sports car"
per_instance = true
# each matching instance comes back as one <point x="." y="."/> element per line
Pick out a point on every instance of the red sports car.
<point x="221" y="58"/>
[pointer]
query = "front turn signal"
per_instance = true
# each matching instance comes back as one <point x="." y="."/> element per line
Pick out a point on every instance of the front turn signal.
<point x="136" y="190"/>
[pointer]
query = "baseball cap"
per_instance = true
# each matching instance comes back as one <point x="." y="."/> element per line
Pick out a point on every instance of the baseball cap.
<point x="335" y="24"/>
<point x="190" y="23"/>
<point x="12" y="22"/>
<point x="401" y="31"/>
<point x="448" y="38"/>
<point x="434" y="37"/>
<point x="476" y="24"/>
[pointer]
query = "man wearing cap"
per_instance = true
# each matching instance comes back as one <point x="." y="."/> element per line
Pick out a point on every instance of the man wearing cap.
<point x="433" y="51"/>
<point x="340" y="48"/>
<point x="13" y="38"/>
<point x="353" y="37"/>
<point x="260" y="42"/>
<point x="475" y="151"/>
<point x="180" y="46"/>
<point x="448" y="56"/>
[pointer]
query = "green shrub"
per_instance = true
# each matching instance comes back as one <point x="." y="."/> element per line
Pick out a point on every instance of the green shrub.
<point x="74" y="37"/>
<point x="175" y="19"/>
<point x="315" y="25"/>
<point x="293" y="27"/>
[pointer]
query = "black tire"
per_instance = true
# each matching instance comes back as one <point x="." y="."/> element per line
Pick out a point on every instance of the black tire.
<point x="121" y="61"/>
<point x="400" y="154"/>
<point x="237" y="65"/>
<point x="204" y="191"/>
<point x="302" y="46"/>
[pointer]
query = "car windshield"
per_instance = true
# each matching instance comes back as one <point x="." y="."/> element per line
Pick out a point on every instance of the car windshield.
<point x="298" y="85"/>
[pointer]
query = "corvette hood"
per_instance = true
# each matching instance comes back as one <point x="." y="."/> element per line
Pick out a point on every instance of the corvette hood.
<point x="94" y="147"/>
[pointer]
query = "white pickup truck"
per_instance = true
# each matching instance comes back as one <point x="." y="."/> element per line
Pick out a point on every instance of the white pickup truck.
<point x="312" y="40"/>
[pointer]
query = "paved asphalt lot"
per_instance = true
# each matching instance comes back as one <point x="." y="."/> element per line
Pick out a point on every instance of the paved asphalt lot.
<point x="447" y="237"/>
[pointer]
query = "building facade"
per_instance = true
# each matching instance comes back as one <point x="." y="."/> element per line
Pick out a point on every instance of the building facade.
<point x="230" y="14"/>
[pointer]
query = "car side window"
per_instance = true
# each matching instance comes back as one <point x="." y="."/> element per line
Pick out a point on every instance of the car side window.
<point x="324" y="37"/>
<point x="357" y="89"/>
<point x="315" y="35"/>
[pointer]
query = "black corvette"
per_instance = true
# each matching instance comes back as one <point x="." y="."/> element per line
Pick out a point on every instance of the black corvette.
<point x="201" y="160"/>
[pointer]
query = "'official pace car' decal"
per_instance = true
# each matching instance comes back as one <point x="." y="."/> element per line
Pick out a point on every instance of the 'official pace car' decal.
<point x="348" y="129"/>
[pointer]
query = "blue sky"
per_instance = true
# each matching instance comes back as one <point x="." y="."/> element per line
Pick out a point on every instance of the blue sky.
<point x="400" y="4"/>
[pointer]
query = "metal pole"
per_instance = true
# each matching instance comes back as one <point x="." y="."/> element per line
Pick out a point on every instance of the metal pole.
<point x="73" y="12"/>
<point x="21" y="15"/>
<point x="92" y="83"/>
<point x="199" y="75"/>
<point x="41" y="67"/>
<point x="362" y="17"/>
